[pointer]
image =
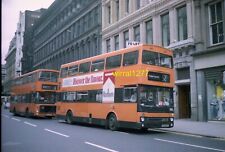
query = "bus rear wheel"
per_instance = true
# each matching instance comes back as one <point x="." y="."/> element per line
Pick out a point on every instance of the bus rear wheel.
<point x="69" y="117"/>
<point x="27" y="113"/>
<point x="14" y="111"/>
<point x="112" y="122"/>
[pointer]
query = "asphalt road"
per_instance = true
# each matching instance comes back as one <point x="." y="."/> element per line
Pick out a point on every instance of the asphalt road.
<point x="20" y="134"/>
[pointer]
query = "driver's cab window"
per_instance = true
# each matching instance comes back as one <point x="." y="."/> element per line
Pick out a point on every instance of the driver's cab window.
<point x="130" y="94"/>
<point x="148" y="96"/>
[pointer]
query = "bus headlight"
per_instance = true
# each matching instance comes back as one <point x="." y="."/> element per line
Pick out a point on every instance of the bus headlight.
<point x="142" y="119"/>
<point x="171" y="119"/>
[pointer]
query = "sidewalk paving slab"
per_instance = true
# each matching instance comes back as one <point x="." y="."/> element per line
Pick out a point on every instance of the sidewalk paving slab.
<point x="214" y="129"/>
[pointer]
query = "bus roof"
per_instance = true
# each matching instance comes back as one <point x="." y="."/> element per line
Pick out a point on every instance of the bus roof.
<point x="116" y="52"/>
<point x="38" y="70"/>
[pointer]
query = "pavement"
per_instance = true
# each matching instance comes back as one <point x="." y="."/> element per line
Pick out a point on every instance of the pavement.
<point x="213" y="129"/>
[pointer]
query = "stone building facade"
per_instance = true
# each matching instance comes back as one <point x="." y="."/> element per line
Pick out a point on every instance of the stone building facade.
<point x="177" y="25"/>
<point x="67" y="31"/>
<point x="15" y="53"/>
<point x="209" y="61"/>
<point x="31" y="18"/>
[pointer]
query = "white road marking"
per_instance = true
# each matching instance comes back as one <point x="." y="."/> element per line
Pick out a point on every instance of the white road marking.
<point x="5" y="116"/>
<point x="101" y="147"/>
<point x="197" y="146"/>
<point x="57" y="133"/>
<point x="122" y="132"/>
<point x="178" y="133"/>
<point x="15" y="119"/>
<point x="33" y="125"/>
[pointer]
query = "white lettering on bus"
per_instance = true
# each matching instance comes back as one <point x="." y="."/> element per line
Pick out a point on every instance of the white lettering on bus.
<point x="95" y="78"/>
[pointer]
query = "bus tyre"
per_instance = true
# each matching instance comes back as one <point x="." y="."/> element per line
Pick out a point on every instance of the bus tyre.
<point x="69" y="117"/>
<point x="112" y="121"/>
<point x="27" y="113"/>
<point x="14" y="111"/>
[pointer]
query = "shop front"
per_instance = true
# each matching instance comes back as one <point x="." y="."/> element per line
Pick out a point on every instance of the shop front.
<point x="215" y="93"/>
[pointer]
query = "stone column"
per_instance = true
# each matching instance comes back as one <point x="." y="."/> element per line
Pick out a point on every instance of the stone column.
<point x="113" y="11"/>
<point x="173" y="26"/>
<point x="189" y="19"/>
<point x="121" y="8"/>
<point x="132" y="6"/>
<point x="121" y="40"/>
<point x="131" y="34"/>
<point x="201" y="96"/>
<point x="156" y="25"/>
<point x="142" y="32"/>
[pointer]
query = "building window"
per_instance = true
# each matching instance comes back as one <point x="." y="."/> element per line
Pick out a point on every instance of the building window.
<point x="149" y="33"/>
<point x="138" y="4"/>
<point x="216" y="23"/>
<point x="182" y="23"/>
<point x="137" y="33"/>
<point x="116" y="42"/>
<point x="165" y="29"/>
<point x="117" y="10"/>
<point x="127" y="6"/>
<point x="109" y="14"/>
<point x="108" y="45"/>
<point x="125" y="37"/>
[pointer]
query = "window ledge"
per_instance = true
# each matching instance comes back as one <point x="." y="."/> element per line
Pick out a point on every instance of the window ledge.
<point x="181" y="44"/>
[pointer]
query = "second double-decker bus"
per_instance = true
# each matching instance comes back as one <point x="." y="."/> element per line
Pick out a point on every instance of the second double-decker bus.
<point x="131" y="88"/>
<point x="34" y="93"/>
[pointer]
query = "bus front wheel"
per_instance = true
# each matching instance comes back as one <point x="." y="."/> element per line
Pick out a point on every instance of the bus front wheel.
<point x="69" y="117"/>
<point x="112" y="122"/>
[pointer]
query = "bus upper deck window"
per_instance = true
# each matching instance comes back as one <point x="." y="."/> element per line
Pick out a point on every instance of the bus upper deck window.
<point x="165" y="61"/>
<point x="84" y="67"/>
<point x="130" y="58"/>
<point x="113" y="61"/>
<point x="97" y="65"/>
<point x="151" y="58"/>
<point x="64" y="72"/>
<point x="73" y="70"/>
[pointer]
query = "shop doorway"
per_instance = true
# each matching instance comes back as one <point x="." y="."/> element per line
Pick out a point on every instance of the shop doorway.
<point x="184" y="101"/>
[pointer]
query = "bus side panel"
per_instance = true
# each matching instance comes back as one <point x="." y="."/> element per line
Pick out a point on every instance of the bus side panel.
<point x="123" y="111"/>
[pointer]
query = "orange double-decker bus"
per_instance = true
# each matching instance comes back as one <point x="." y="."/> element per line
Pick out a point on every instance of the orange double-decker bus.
<point x="34" y="93"/>
<point x="131" y="88"/>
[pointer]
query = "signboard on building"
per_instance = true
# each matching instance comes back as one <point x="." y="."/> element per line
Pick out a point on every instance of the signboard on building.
<point x="132" y="43"/>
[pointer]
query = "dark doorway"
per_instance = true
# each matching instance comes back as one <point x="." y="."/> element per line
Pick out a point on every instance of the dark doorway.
<point x="184" y="101"/>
